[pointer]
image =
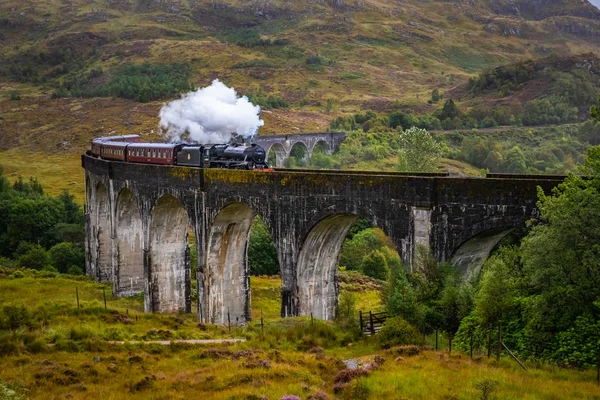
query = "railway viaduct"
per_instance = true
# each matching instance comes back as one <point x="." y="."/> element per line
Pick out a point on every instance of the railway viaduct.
<point x="140" y="219"/>
<point x="283" y="145"/>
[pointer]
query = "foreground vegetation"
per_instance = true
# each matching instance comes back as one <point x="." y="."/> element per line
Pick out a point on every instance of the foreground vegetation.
<point x="57" y="350"/>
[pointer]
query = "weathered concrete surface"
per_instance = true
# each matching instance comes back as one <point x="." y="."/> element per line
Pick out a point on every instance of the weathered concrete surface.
<point x="227" y="278"/>
<point x="471" y="255"/>
<point x="282" y="145"/>
<point x="169" y="258"/>
<point x="307" y="214"/>
<point x="129" y="276"/>
<point x="317" y="265"/>
<point x="102" y="236"/>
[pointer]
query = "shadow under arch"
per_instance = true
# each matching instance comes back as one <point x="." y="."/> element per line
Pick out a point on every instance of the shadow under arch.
<point x="169" y="259"/>
<point x="321" y="145"/>
<point x="300" y="153"/>
<point x="276" y="156"/>
<point x="129" y="236"/>
<point x="226" y="274"/>
<point x="470" y="255"/>
<point x="102" y="236"/>
<point x="316" y="267"/>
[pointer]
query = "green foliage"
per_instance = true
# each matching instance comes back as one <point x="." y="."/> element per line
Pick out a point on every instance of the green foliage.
<point x="359" y="246"/>
<point x="496" y="290"/>
<point x="15" y="95"/>
<point x="397" y="331"/>
<point x="456" y="303"/>
<point x="449" y="111"/>
<point x="67" y="258"/>
<point x="255" y="64"/>
<point x="144" y="83"/>
<point x="262" y="255"/>
<point x="435" y="95"/>
<point x="420" y="152"/>
<point x="579" y="346"/>
<point x="15" y="317"/>
<point x="268" y="101"/>
<point x="28" y="216"/>
<point x="248" y="37"/>
<point x="375" y="265"/>
<point x="35" y="257"/>
<point x="401" y="299"/>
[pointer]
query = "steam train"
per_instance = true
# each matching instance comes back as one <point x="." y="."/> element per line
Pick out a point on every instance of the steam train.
<point x="128" y="148"/>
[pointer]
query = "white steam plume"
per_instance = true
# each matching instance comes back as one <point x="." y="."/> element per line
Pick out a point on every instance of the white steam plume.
<point x="210" y="115"/>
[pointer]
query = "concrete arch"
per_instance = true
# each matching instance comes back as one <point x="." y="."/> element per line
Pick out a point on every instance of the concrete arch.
<point x="280" y="156"/>
<point x="472" y="253"/>
<point x="129" y="238"/>
<point x="227" y="275"/>
<point x="102" y="235"/>
<point x="169" y="258"/>
<point x="322" y="144"/>
<point x="316" y="268"/>
<point x="297" y="149"/>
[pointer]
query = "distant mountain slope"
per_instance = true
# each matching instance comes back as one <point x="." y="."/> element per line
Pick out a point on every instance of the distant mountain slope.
<point x="320" y="58"/>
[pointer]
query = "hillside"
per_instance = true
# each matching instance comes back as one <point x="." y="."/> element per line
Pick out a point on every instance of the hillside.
<point x="305" y="62"/>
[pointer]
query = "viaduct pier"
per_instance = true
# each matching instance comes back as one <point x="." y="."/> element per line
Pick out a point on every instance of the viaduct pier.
<point x="140" y="218"/>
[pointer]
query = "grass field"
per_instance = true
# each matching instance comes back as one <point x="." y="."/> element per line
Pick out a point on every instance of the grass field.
<point x="290" y="357"/>
<point x="55" y="172"/>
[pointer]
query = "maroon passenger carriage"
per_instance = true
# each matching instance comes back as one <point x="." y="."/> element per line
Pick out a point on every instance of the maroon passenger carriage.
<point x="153" y="153"/>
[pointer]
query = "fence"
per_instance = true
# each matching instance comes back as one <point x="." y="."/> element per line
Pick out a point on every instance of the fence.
<point x="371" y="323"/>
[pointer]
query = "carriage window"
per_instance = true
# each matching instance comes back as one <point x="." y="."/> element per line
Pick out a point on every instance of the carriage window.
<point x="148" y="153"/>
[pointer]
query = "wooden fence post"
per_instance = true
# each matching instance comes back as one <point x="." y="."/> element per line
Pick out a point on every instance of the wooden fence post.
<point x="371" y="322"/>
<point x="77" y="295"/>
<point x="360" y="320"/>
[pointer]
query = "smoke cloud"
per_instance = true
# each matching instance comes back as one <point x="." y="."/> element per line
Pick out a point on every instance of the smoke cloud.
<point x="210" y="115"/>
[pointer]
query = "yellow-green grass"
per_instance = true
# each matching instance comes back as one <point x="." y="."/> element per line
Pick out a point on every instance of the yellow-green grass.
<point x="266" y="298"/>
<point x="56" y="172"/>
<point x="274" y="363"/>
<point x="436" y="375"/>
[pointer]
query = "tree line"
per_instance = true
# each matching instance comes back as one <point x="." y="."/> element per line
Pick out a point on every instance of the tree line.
<point x="40" y="231"/>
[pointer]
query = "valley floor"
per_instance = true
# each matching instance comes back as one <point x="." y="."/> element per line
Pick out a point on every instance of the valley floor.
<point x="65" y="353"/>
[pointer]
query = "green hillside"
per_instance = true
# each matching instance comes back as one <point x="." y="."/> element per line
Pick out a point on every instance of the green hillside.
<point x="304" y="62"/>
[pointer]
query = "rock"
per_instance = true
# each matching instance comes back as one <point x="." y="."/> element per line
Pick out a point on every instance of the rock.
<point x="96" y="359"/>
<point x="351" y="364"/>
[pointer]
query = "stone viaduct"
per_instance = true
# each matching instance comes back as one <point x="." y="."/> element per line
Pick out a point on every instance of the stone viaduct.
<point x="283" y="145"/>
<point x="141" y="218"/>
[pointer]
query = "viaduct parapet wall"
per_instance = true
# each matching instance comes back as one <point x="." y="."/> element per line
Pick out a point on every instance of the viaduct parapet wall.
<point x="142" y="218"/>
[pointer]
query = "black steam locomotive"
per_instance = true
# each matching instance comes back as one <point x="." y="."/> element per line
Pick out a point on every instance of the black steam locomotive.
<point x="128" y="148"/>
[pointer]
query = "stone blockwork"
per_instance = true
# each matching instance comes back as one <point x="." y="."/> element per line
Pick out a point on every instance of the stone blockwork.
<point x="141" y="215"/>
<point x="282" y="145"/>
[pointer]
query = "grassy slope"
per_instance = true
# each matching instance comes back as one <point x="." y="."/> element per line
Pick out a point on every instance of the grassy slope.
<point x="382" y="52"/>
<point x="272" y="368"/>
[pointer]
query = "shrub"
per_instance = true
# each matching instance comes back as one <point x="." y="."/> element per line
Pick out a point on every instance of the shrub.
<point x="375" y="265"/>
<point x="80" y="333"/>
<point x="396" y="331"/>
<point x="37" y="346"/>
<point x="74" y="270"/>
<point x="15" y="95"/>
<point x="15" y="317"/>
<point x="67" y="345"/>
<point x="67" y="258"/>
<point x="35" y="257"/>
